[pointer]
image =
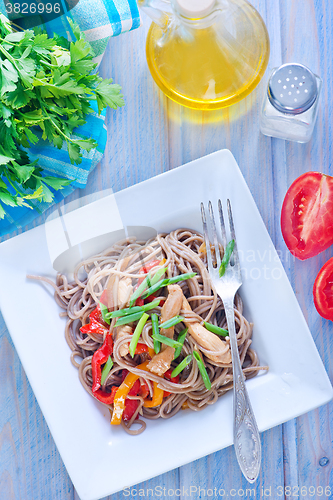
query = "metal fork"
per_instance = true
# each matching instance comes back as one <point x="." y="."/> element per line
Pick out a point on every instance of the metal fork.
<point x="246" y="435"/>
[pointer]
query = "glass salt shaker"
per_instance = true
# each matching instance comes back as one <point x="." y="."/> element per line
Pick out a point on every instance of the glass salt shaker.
<point x="290" y="106"/>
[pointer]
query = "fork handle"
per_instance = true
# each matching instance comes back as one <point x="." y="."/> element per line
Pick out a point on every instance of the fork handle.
<point x="246" y="434"/>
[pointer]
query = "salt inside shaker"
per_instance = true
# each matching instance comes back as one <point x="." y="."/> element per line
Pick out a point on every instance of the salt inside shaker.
<point x="290" y="106"/>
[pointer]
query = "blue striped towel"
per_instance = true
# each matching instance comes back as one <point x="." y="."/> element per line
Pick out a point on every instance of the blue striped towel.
<point x="107" y="18"/>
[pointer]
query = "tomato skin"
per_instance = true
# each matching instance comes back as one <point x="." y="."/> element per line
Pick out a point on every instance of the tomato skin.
<point x="323" y="291"/>
<point x="307" y="215"/>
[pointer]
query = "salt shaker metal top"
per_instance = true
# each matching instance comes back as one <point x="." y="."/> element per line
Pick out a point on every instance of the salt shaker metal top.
<point x="290" y="106"/>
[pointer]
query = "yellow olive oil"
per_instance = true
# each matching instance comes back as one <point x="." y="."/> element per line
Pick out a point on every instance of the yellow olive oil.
<point x="208" y="68"/>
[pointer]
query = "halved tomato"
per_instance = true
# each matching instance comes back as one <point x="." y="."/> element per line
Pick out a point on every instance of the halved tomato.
<point x="307" y="215"/>
<point x="323" y="291"/>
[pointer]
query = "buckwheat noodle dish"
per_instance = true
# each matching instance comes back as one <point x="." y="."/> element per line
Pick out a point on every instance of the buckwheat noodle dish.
<point x="147" y="330"/>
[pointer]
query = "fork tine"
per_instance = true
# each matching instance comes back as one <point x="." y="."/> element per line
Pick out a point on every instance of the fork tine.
<point x="235" y="256"/>
<point x="224" y="236"/>
<point x="213" y="227"/>
<point x="207" y="242"/>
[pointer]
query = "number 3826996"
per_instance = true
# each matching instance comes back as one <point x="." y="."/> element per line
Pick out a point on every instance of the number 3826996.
<point x="304" y="491"/>
<point x="33" y="8"/>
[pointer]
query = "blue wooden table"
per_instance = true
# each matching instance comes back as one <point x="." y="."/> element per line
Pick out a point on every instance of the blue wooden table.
<point x="151" y="135"/>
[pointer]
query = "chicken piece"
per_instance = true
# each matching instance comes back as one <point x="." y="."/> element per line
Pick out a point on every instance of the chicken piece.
<point x="207" y="339"/>
<point x="123" y="331"/>
<point x="161" y="362"/>
<point x="171" y="308"/>
<point x="125" y="290"/>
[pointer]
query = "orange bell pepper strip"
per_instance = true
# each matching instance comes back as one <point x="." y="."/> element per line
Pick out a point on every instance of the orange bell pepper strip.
<point x="125" y="387"/>
<point x="157" y="397"/>
<point x="122" y="392"/>
<point x="158" y="393"/>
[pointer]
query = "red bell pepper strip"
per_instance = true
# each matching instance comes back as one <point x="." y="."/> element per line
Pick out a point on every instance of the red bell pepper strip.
<point x="99" y="358"/>
<point x="131" y="406"/>
<point x="144" y="389"/>
<point x="135" y="389"/>
<point x="151" y="298"/>
<point x="123" y="390"/>
<point x="106" y="397"/>
<point x="104" y="298"/>
<point x="175" y="380"/>
<point x="146" y="268"/>
<point x="140" y="348"/>
<point x="123" y="374"/>
<point x="94" y="327"/>
<point x="96" y="315"/>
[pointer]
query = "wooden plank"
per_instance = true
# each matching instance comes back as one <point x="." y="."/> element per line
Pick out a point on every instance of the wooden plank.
<point x="30" y="465"/>
<point x="306" y="38"/>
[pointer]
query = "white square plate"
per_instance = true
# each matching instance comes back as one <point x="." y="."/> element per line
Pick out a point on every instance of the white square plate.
<point x="296" y="381"/>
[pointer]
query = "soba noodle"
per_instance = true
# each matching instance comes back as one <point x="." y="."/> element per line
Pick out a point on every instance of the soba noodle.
<point x="183" y="251"/>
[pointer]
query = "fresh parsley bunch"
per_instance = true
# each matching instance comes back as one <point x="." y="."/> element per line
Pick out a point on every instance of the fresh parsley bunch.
<point x="46" y="84"/>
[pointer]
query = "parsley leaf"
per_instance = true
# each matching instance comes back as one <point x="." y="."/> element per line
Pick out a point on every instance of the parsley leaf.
<point x="46" y="89"/>
<point x="8" y="77"/>
<point x="5" y="159"/>
<point x="8" y="199"/>
<point x="56" y="183"/>
<point x="108" y="95"/>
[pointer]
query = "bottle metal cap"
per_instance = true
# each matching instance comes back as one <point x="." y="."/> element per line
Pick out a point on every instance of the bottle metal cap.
<point x="292" y="88"/>
<point x="194" y="9"/>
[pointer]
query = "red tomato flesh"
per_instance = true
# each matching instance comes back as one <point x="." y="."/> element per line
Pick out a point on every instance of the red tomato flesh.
<point x="307" y="215"/>
<point x="323" y="291"/>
